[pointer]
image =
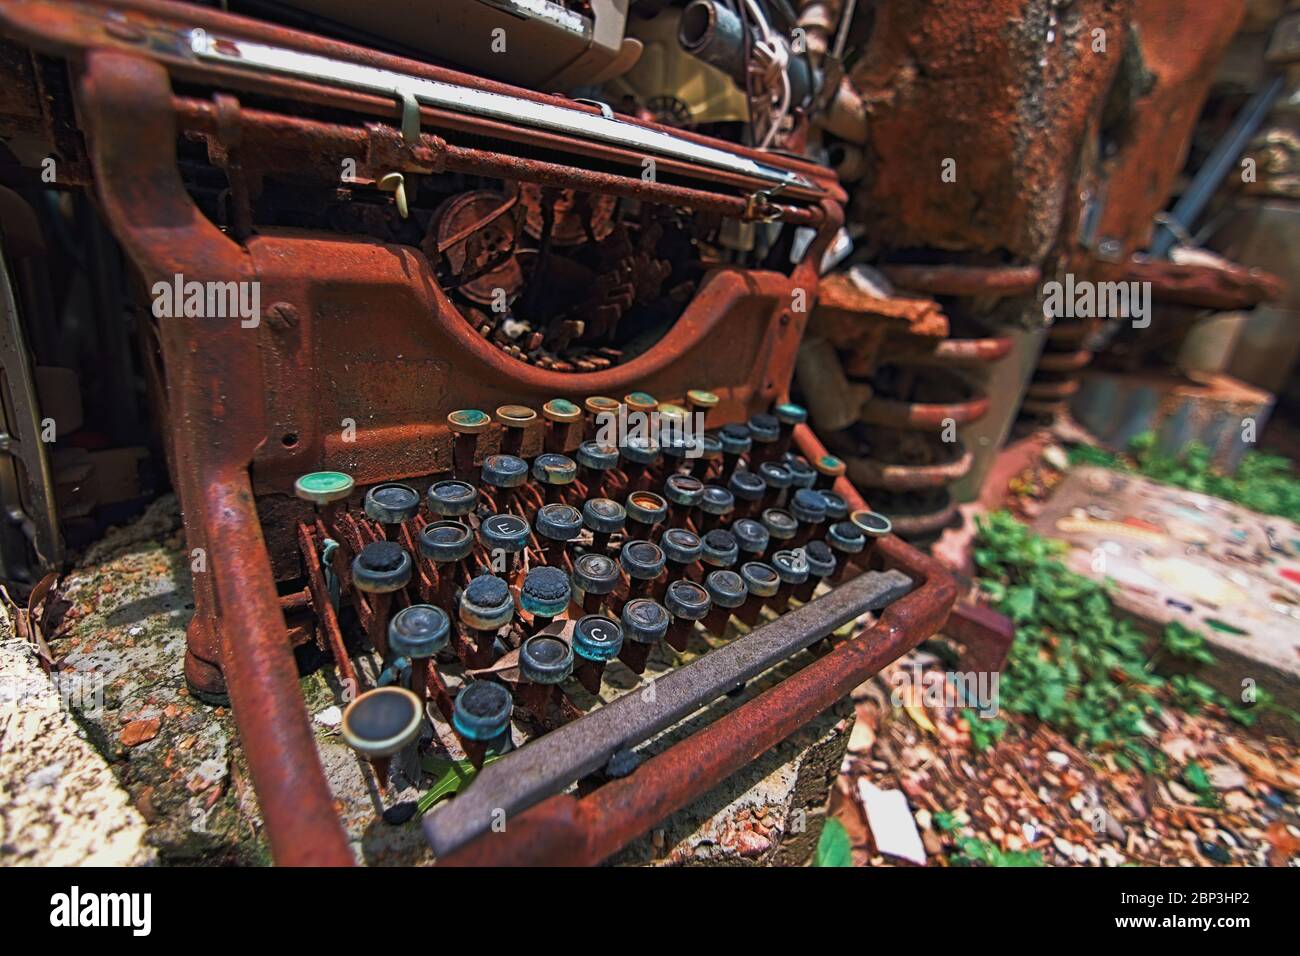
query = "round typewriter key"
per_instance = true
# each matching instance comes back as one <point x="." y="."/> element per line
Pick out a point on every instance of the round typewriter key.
<point x="802" y="474"/>
<point x="847" y="540"/>
<point x="683" y="493"/>
<point x="556" y="525"/>
<point x="821" y="565"/>
<point x="324" y="487"/>
<point x="604" y="517"/>
<point x="687" y="603"/>
<point x="389" y="505"/>
<point x="485" y="604"/>
<point x="645" y="509"/>
<point x="504" y="533"/>
<point x="837" y="509"/>
<point x="719" y="549"/>
<point x="563" y="419"/>
<point x="701" y="402"/>
<point x="504" y="471"/>
<point x="751" y="536"/>
<point x="451" y="499"/>
<point x="735" y="441"/>
<point x="777" y="478"/>
<point x="515" y="420"/>
<point x="643" y="561"/>
<point x="326" y="490"/>
<point x="419" y="632"/>
<point x="727" y="592"/>
<point x="765" y="432"/>
<point x="595" y="575"/>
<point x="544" y="595"/>
<point x="873" y="526"/>
<point x="716" y="504"/>
<point x="445" y="542"/>
<point x="596" y="641"/>
<point x="554" y="471"/>
<point x="381" y="568"/>
<point x="481" y="719"/>
<point x="748" y="489"/>
<point x="809" y="509"/>
<point x="468" y="421"/>
<point x="639" y="458"/>
<point x="710" y="452"/>
<point x="381" y="722"/>
<point x="681" y="549"/>
<point x="485" y="607"/>
<point x="601" y="412"/>
<point x="544" y="661"/>
<point x="761" y="583"/>
<point x="466" y="424"/>
<point x="645" y="622"/>
<point x="596" y="461"/>
<point x="791" y="567"/>
<point x="640" y="402"/>
<point x="829" y="468"/>
<point x="780" y="524"/>
<point x="788" y="415"/>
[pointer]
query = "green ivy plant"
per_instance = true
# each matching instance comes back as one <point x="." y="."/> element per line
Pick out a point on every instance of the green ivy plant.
<point x="1074" y="664"/>
<point x="1264" y="483"/>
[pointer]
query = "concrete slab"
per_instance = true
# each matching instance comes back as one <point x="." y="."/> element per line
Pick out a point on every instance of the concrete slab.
<point x="1173" y="555"/>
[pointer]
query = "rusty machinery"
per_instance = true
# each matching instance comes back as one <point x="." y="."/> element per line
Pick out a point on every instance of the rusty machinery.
<point x="392" y="456"/>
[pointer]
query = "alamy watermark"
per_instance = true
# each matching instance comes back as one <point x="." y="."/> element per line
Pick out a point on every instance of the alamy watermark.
<point x="1083" y="299"/>
<point x="630" y="428"/>
<point x="208" y="300"/>
<point x="915" y="686"/>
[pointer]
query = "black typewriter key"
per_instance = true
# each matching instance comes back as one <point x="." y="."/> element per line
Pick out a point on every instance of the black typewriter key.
<point x="595" y="576"/>
<point x="595" y="464"/>
<point x="847" y="541"/>
<point x="764" y="432"/>
<point x="719" y="549"/>
<point x="644" y="562"/>
<point x="390" y="505"/>
<point x="640" y="458"/>
<point x="381" y="568"/>
<point x="505" y="537"/>
<point x="821" y="565"/>
<point x="809" y="509"/>
<point x="727" y="592"/>
<point x="645" y="623"/>
<point x="683" y="494"/>
<point x="682" y="549"/>
<point x="544" y="662"/>
<point x="481" y="719"/>
<point x="451" y="499"/>
<point x="716" y="506"/>
<point x="554" y="472"/>
<point x="603" y="517"/>
<point x="780" y="524"/>
<point x="544" y="595"/>
<point x="751" y="537"/>
<point x="645" y="512"/>
<point x="557" y="525"/>
<point x="686" y="603"/>
<point x="596" y="641"/>
<point x="776" y="477"/>
<point x="418" y="632"/>
<point x="735" y="441"/>
<point x="761" y="583"/>
<point x="791" y="566"/>
<point x="748" y="489"/>
<point x="485" y="607"/>
<point x="447" y="544"/>
<point x="710" y="455"/>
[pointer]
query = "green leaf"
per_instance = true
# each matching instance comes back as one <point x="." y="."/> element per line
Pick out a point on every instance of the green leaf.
<point x="834" y="847"/>
<point x="453" y="776"/>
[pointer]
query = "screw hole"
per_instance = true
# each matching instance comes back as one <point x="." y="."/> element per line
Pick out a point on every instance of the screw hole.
<point x="289" y="439"/>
